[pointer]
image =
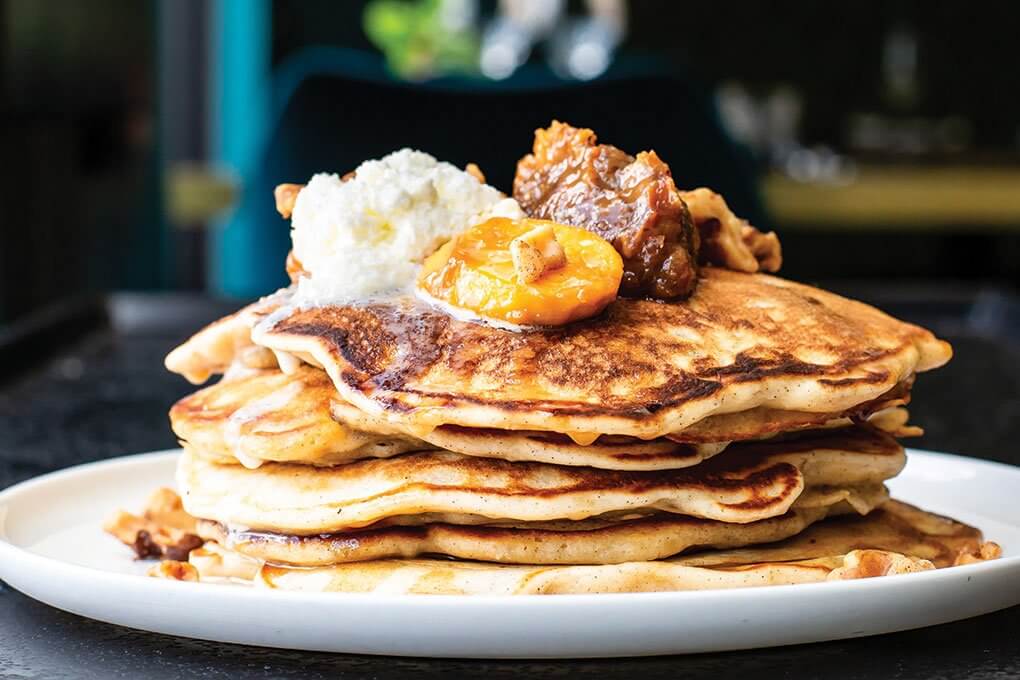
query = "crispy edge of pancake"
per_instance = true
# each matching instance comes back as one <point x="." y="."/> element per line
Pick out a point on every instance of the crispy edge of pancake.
<point x="355" y="356"/>
<point x="762" y="422"/>
<point x="656" y="454"/>
<point x="260" y="417"/>
<point x="218" y="346"/>
<point x="957" y="544"/>
<point x="895" y="527"/>
<point x="211" y="350"/>
<point x="222" y="344"/>
<point x="445" y="577"/>
<point x="857" y="454"/>
<point x="268" y="415"/>
<point x="592" y="541"/>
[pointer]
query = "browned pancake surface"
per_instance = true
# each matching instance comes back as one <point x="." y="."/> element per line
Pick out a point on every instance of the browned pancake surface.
<point x="645" y="368"/>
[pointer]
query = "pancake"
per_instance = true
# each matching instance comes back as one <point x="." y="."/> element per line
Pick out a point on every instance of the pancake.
<point x="750" y="482"/>
<point x="445" y="577"/>
<point x="838" y="456"/>
<point x="606" y="452"/>
<point x="216" y="348"/>
<point x="895" y="526"/>
<point x="592" y="541"/>
<point x="830" y="550"/>
<point x="760" y="422"/>
<point x="643" y="368"/>
<point x="226" y="345"/>
<point x="268" y="415"/>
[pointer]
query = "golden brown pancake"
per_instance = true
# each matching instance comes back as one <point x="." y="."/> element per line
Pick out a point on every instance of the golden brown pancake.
<point x="221" y="345"/>
<point x="760" y="422"/>
<point x="643" y="368"/>
<point x="298" y="499"/>
<point x="895" y="527"/>
<point x="602" y="540"/>
<point x="268" y="415"/>
<point x="607" y="452"/>
<point x="446" y="577"/>
<point x="888" y="541"/>
<point x="224" y="343"/>
<point x="750" y="482"/>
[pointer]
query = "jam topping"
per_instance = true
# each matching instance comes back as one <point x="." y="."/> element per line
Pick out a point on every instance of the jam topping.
<point x="631" y="202"/>
<point x="662" y="233"/>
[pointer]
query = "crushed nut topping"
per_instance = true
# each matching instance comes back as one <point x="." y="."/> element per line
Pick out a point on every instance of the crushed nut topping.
<point x="536" y="252"/>
<point x="286" y="195"/>
<point x="164" y="530"/>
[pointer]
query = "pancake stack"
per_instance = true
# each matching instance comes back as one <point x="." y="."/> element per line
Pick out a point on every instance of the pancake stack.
<point x="740" y="437"/>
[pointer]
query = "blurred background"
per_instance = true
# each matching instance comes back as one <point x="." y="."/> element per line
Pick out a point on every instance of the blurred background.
<point x="141" y="141"/>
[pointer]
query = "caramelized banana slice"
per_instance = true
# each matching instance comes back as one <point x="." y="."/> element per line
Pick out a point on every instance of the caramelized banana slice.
<point x="536" y="253"/>
<point x="524" y="272"/>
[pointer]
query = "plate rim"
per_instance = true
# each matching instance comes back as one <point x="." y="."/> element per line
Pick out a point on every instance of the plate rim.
<point x="11" y="553"/>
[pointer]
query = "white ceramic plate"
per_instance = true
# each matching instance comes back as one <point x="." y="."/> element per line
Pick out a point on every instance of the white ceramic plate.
<point x="52" y="549"/>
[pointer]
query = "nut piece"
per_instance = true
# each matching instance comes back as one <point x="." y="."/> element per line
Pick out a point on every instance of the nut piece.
<point x="173" y="570"/>
<point x="294" y="269"/>
<point x="163" y="530"/>
<point x="257" y="357"/>
<point x="165" y="508"/>
<point x="536" y="253"/>
<point x="728" y="241"/>
<point x="286" y="195"/>
<point x="475" y="172"/>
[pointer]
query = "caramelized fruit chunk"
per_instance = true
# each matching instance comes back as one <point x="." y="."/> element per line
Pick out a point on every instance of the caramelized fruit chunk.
<point x="663" y="234"/>
<point x="477" y="271"/>
<point x="630" y="201"/>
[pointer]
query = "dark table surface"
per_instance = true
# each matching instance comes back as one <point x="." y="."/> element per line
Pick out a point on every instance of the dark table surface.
<point x="100" y="391"/>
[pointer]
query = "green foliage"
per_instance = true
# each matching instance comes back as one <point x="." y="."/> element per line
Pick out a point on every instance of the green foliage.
<point x="415" y="41"/>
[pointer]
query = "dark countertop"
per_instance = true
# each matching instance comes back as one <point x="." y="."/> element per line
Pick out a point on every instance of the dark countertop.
<point x="104" y="393"/>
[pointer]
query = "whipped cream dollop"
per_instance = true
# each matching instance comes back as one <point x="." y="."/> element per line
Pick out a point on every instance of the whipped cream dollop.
<point x="369" y="234"/>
